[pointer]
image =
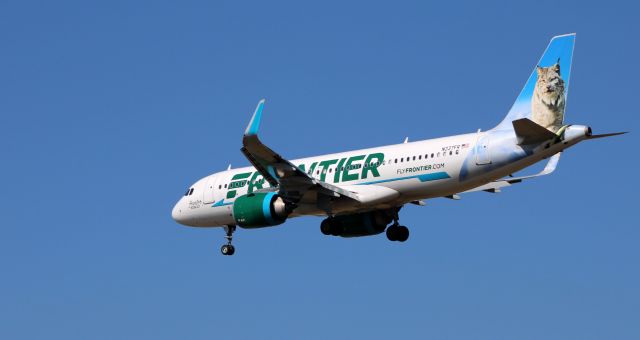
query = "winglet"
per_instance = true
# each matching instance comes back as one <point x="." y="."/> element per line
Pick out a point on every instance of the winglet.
<point x="254" y="124"/>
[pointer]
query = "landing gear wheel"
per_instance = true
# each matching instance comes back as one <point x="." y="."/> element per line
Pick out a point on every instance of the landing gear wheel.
<point x="325" y="227"/>
<point x="336" y="229"/>
<point x="392" y="233"/>
<point x="403" y="233"/>
<point x="398" y="233"/>
<point x="227" y="249"/>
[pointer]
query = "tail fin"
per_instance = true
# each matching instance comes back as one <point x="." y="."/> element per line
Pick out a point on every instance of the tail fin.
<point x="543" y="98"/>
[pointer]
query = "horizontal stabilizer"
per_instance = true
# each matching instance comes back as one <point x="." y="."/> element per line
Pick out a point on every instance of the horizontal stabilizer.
<point x="529" y="132"/>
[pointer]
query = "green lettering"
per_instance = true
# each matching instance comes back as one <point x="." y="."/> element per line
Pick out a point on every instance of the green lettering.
<point x="346" y="176"/>
<point x="336" y="177"/>
<point x="254" y="184"/>
<point x="234" y="184"/>
<point x="313" y="167"/>
<point x="373" y="161"/>
<point x="325" y="166"/>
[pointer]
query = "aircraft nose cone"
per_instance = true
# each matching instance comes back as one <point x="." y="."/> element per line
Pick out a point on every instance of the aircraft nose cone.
<point x="176" y="213"/>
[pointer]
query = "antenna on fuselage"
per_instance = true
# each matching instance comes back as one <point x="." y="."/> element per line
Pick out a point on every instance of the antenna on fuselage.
<point x="229" y="167"/>
<point x="406" y="140"/>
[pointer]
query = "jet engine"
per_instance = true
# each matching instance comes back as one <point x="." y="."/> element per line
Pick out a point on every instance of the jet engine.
<point x="258" y="210"/>
<point x="355" y="225"/>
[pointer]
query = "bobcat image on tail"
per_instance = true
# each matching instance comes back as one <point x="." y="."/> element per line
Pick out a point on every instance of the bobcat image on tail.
<point x="547" y="104"/>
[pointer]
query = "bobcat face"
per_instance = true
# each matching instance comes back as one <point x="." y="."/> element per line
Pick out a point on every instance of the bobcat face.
<point x="547" y="103"/>
<point x="550" y="86"/>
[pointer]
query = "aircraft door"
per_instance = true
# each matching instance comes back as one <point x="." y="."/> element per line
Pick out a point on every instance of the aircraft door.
<point x="210" y="192"/>
<point x="482" y="150"/>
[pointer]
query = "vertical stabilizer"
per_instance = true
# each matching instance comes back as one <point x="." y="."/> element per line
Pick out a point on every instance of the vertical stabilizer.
<point x="544" y="97"/>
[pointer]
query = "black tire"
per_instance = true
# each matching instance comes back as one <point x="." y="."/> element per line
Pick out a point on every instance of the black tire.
<point x="336" y="229"/>
<point x="226" y="249"/>
<point x="325" y="227"/>
<point x="403" y="233"/>
<point x="232" y="250"/>
<point x="392" y="233"/>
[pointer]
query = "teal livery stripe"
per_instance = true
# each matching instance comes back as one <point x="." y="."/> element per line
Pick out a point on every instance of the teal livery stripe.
<point x="423" y="178"/>
<point x="221" y="203"/>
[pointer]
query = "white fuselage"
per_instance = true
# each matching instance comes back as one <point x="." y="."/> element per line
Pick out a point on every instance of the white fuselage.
<point x="413" y="171"/>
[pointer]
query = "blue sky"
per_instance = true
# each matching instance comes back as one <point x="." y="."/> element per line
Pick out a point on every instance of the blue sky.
<point x="110" y="110"/>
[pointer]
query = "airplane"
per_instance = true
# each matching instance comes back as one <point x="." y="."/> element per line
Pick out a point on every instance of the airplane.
<point x="361" y="192"/>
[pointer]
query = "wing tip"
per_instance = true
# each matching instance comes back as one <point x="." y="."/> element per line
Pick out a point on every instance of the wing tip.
<point x="563" y="35"/>
<point x="254" y="124"/>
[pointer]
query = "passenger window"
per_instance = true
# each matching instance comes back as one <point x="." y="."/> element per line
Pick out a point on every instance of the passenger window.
<point x="438" y="154"/>
<point x="395" y="160"/>
<point x="220" y="186"/>
<point x="225" y="186"/>
<point x="431" y="155"/>
<point x="414" y="158"/>
<point x="330" y="170"/>
<point x="420" y="157"/>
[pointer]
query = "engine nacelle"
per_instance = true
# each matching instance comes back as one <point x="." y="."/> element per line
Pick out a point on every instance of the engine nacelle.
<point x="576" y="133"/>
<point x="257" y="210"/>
<point x="355" y="225"/>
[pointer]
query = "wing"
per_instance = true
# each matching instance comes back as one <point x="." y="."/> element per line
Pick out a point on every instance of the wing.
<point x="495" y="186"/>
<point x="291" y="182"/>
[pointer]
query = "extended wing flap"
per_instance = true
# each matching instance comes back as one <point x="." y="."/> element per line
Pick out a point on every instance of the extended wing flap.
<point x="291" y="181"/>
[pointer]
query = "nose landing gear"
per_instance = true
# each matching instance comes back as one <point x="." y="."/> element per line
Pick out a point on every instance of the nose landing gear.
<point x="228" y="249"/>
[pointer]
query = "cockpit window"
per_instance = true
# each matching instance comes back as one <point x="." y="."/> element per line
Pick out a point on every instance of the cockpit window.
<point x="191" y="192"/>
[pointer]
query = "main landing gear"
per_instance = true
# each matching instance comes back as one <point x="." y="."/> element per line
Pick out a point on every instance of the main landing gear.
<point x="228" y="249"/>
<point x="397" y="232"/>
